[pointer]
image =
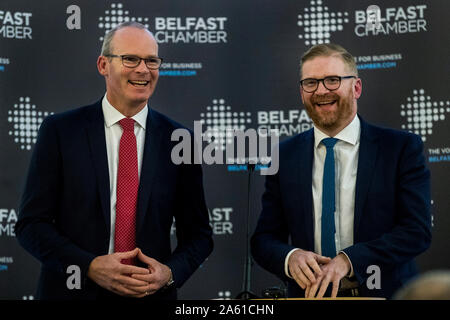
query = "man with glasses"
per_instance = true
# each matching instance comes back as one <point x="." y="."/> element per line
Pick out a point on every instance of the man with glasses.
<point x="102" y="192"/>
<point x="349" y="209"/>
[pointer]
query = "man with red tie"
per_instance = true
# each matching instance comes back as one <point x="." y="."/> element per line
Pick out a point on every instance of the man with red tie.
<point x="102" y="192"/>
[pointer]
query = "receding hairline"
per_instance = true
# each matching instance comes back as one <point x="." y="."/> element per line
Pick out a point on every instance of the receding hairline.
<point x="330" y="50"/>
<point x="134" y="27"/>
<point x="110" y="35"/>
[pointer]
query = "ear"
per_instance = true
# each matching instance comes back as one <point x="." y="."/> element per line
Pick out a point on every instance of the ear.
<point x="357" y="88"/>
<point x="102" y="62"/>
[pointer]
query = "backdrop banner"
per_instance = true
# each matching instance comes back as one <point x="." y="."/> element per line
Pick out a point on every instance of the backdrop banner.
<point x="228" y="64"/>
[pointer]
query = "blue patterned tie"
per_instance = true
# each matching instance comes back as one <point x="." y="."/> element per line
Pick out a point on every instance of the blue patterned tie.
<point x="328" y="201"/>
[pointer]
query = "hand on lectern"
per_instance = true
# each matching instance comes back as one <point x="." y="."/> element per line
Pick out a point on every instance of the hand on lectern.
<point x="304" y="267"/>
<point x="331" y="272"/>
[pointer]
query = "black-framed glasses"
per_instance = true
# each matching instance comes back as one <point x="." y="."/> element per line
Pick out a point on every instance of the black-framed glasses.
<point x="331" y="83"/>
<point x="131" y="61"/>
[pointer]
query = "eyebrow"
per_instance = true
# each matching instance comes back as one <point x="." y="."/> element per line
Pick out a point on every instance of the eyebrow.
<point x="135" y="55"/>
<point x="333" y="75"/>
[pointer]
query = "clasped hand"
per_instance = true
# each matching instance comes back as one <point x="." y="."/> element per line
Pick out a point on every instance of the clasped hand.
<point x="128" y="280"/>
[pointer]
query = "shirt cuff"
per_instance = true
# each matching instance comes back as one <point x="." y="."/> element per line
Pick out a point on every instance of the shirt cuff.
<point x="286" y="264"/>
<point x="351" y="273"/>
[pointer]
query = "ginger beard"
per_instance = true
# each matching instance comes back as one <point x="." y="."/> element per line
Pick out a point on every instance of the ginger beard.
<point x="329" y="111"/>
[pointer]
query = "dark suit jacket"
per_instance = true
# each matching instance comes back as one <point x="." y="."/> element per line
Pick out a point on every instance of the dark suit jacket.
<point x="64" y="215"/>
<point x="392" y="222"/>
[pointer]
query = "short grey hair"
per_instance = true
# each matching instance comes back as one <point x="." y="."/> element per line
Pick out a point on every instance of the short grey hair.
<point x="106" y="46"/>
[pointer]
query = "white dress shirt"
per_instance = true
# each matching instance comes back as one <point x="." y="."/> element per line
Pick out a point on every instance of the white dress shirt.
<point x="113" y="133"/>
<point x="346" y="153"/>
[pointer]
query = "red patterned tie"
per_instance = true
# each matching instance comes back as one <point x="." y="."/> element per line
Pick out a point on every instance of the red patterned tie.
<point x="127" y="191"/>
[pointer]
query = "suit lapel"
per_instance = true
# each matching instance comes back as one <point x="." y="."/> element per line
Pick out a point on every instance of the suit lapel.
<point x="150" y="163"/>
<point x="97" y="143"/>
<point x="305" y="152"/>
<point x="368" y="150"/>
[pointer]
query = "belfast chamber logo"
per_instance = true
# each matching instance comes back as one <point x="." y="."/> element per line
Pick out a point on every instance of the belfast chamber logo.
<point x="231" y="141"/>
<point x="424" y="116"/>
<point x="221" y="121"/>
<point x="25" y="120"/>
<point x="249" y="133"/>
<point x="168" y="30"/>
<point x="219" y="220"/>
<point x="318" y="23"/>
<point x="198" y="30"/>
<point x="15" y="25"/>
<point x="8" y="219"/>
<point x="284" y="123"/>
<point x="191" y="30"/>
<point x="375" y="21"/>
<point x="421" y="113"/>
<point x="115" y="15"/>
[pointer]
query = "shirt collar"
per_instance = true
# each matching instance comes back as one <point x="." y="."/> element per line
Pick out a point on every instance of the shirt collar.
<point x="349" y="134"/>
<point x="112" y="115"/>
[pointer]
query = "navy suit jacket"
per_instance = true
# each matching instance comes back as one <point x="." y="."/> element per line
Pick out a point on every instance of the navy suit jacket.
<point x="392" y="221"/>
<point x="64" y="215"/>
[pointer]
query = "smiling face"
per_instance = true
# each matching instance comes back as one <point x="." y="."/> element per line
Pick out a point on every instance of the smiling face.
<point x="128" y="89"/>
<point x="331" y="111"/>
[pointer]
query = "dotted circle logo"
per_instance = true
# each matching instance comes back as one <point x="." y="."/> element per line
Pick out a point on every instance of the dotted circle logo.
<point x="224" y="295"/>
<point x="116" y="15"/>
<point x="221" y="122"/>
<point x="26" y="121"/>
<point x="318" y="23"/>
<point x="421" y="113"/>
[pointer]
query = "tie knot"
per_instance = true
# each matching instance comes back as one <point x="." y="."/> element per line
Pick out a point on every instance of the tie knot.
<point x="127" y="124"/>
<point x="329" y="142"/>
